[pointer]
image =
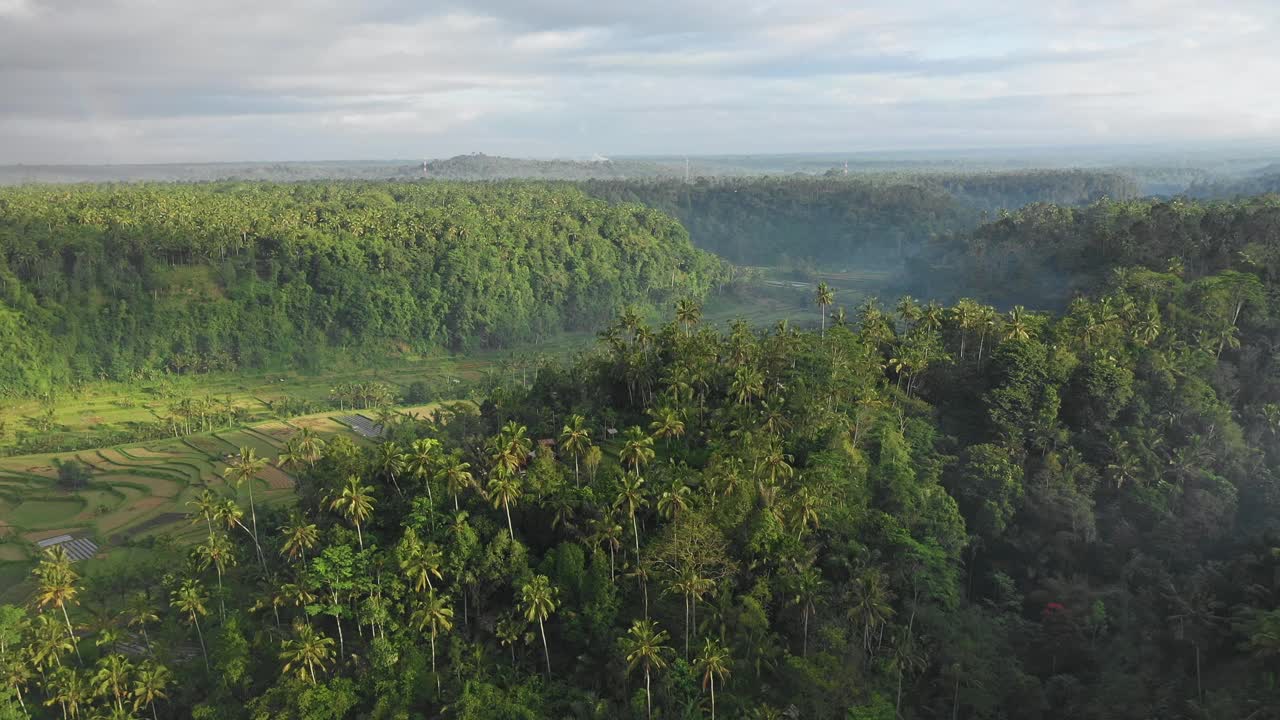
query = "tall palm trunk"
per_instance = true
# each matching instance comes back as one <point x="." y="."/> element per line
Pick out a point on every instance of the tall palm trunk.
<point x="712" y="678"/>
<point x="200" y="634"/>
<point x="510" y="528"/>
<point x="648" y="694"/>
<point x="71" y="633"/>
<point x="433" y="661"/>
<point x="253" y="517"/>
<point x="546" y="649"/>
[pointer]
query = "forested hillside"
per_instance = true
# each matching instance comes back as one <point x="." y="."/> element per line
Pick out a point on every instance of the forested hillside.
<point x="104" y="281"/>
<point x="868" y="219"/>
<point x="920" y="512"/>
<point x="1045" y="254"/>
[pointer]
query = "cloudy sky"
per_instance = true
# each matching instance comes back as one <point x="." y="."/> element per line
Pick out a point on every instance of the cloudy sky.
<point x="196" y="80"/>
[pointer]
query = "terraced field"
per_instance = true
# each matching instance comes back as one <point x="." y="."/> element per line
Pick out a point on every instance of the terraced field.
<point x="140" y="490"/>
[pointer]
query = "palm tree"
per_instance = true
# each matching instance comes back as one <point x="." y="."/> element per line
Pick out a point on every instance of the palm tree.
<point x="607" y="531"/>
<point x="824" y="298"/>
<point x="189" y="599"/>
<point x="807" y="509"/>
<point x="505" y="490"/>
<point x="510" y="449"/>
<point x="290" y="457"/>
<point x="219" y="553"/>
<point x="69" y="689"/>
<point x="643" y="647"/>
<point x="688" y="313"/>
<point x="419" y="562"/>
<point x="457" y="476"/>
<point x="422" y="461"/>
<point x="433" y="614"/>
<point x="113" y="678"/>
<point x="747" y="385"/>
<point x="57" y="586"/>
<point x="243" y="470"/>
<point x="1016" y="328"/>
<point x="48" y="643"/>
<point x="539" y="600"/>
<point x="17" y="675"/>
<point x="390" y="462"/>
<point x="206" y="507"/>
<point x="871" y="605"/>
<point x="637" y="449"/>
<point x="309" y="445"/>
<point x="807" y="586"/>
<point x="150" y="685"/>
<point x="356" y="503"/>
<point x="667" y="424"/>
<point x="575" y="438"/>
<point x="306" y="651"/>
<point x="299" y="537"/>
<point x="712" y="663"/>
<point x="674" y="500"/>
<point x="633" y="498"/>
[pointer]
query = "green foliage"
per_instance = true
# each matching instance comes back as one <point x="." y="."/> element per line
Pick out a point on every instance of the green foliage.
<point x="109" y="281"/>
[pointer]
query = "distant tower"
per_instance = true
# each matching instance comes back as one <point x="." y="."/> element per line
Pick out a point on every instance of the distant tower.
<point x="424" y="168"/>
<point x="846" y="167"/>
<point x="686" y="169"/>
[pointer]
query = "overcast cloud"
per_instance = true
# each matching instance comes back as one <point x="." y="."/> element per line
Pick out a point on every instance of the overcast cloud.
<point x="180" y="80"/>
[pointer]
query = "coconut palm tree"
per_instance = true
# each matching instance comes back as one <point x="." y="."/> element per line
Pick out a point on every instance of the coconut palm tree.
<point x="309" y="445"/>
<point x="824" y="298"/>
<point x="57" y="586"/>
<point x="48" y="643"/>
<point x="457" y="476"/>
<point x="433" y="615"/>
<point x="356" y="504"/>
<point x="419" y="562"/>
<point x="538" y="598"/>
<point x="510" y="448"/>
<point x="643" y="646"/>
<point x="688" y="313"/>
<point x="422" y="462"/>
<point x="505" y="490"/>
<point x="299" y="537"/>
<point x="69" y="689"/>
<point x="189" y="599"/>
<point x="112" y="678"/>
<point x="219" y="553"/>
<point x="712" y="663"/>
<point x="204" y="507"/>
<point x="290" y="457"/>
<point x="674" y="500"/>
<point x="149" y="686"/>
<point x="390" y="462"/>
<point x="306" y="651"/>
<point x="633" y="498"/>
<point x="243" y="470"/>
<point x="808" y="584"/>
<point x="1016" y="327"/>
<point x="17" y="674"/>
<point x="575" y="438"/>
<point x="606" y="531"/>
<point x="667" y="424"/>
<point x="637" y="449"/>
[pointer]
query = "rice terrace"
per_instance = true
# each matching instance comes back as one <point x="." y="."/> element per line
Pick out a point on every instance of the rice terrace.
<point x="145" y="489"/>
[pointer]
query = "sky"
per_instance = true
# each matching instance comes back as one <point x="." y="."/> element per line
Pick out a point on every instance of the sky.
<point x="141" y="81"/>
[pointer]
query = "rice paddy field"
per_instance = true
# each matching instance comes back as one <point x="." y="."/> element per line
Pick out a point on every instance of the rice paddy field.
<point x="139" y="490"/>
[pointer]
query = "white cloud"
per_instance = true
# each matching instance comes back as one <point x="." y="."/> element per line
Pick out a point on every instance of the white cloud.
<point x="309" y="79"/>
